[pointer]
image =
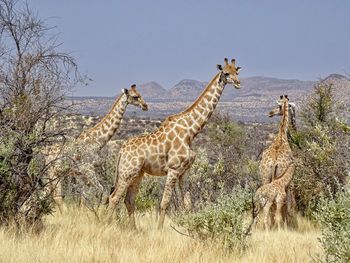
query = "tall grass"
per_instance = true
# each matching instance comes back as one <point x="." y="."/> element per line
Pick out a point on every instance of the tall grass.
<point x="76" y="236"/>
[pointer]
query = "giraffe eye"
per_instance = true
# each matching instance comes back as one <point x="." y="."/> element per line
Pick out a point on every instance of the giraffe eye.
<point x="135" y="97"/>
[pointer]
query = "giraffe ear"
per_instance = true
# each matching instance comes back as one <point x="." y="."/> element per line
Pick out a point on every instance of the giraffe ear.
<point x="238" y="69"/>
<point x="219" y="67"/>
<point x="125" y="91"/>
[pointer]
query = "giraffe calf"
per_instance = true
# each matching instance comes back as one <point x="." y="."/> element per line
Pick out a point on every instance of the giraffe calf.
<point x="274" y="193"/>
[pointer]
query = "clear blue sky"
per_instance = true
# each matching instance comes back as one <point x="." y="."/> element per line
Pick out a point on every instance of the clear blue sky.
<point x="118" y="43"/>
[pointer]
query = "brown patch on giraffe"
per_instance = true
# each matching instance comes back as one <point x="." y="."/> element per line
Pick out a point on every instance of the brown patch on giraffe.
<point x="208" y="97"/>
<point x="178" y="129"/>
<point x="134" y="161"/>
<point x="171" y="135"/>
<point x="176" y="143"/>
<point x="154" y="142"/>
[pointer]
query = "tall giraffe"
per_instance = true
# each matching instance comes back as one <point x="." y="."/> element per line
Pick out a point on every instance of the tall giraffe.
<point x="277" y="157"/>
<point x="277" y="161"/>
<point x="80" y="156"/>
<point x="167" y="151"/>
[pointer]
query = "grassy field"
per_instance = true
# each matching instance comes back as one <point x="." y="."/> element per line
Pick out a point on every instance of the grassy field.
<point x="77" y="236"/>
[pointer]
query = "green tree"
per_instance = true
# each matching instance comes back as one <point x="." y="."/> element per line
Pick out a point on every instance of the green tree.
<point x="34" y="75"/>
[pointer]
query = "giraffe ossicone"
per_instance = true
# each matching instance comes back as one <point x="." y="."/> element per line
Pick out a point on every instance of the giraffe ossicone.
<point x="167" y="151"/>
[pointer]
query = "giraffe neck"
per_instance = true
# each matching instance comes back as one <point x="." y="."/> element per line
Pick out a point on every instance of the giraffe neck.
<point x="282" y="133"/>
<point x="197" y="115"/>
<point x="103" y="131"/>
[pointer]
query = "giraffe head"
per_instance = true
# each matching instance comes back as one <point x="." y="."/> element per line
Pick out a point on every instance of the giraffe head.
<point x="135" y="98"/>
<point x="229" y="73"/>
<point x="282" y="102"/>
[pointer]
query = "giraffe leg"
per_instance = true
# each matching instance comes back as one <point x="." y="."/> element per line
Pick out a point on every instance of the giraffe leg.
<point x="168" y="189"/>
<point x="55" y="187"/>
<point x="266" y="212"/>
<point x="181" y="188"/>
<point x="130" y="199"/>
<point x="115" y="197"/>
<point x="289" y="208"/>
<point x="280" y="202"/>
<point x="57" y="195"/>
<point x="186" y="196"/>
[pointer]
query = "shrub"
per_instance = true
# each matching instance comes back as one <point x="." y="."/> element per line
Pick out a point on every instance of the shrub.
<point x="322" y="154"/>
<point x="334" y="217"/>
<point x="222" y="221"/>
<point x="149" y="194"/>
<point x="32" y="87"/>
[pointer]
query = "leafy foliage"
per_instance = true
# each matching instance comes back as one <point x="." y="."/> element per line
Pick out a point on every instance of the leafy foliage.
<point x="33" y="77"/>
<point x="334" y="217"/>
<point x="322" y="154"/>
<point x="222" y="221"/>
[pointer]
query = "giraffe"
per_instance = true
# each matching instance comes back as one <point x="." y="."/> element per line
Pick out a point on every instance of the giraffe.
<point x="277" y="159"/>
<point x="81" y="155"/>
<point x="272" y="193"/>
<point x="167" y="151"/>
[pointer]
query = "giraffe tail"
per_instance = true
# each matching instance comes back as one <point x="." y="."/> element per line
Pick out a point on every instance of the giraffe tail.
<point x="272" y="172"/>
<point x="275" y="172"/>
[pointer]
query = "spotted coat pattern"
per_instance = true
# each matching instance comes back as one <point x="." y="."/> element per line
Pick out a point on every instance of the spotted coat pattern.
<point x="167" y="151"/>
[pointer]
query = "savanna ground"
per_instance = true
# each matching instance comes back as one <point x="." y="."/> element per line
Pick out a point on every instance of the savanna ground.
<point x="77" y="236"/>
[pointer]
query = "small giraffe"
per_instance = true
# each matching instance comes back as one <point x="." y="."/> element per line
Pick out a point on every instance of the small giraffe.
<point x="167" y="151"/>
<point x="81" y="155"/>
<point x="274" y="193"/>
<point x="277" y="160"/>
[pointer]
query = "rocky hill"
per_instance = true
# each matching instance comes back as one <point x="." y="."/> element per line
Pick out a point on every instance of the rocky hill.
<point x="250" y="103"/>
<point x="153" y="91"/>
<point x="341" y="86"/>
<point x="187" y="89"/>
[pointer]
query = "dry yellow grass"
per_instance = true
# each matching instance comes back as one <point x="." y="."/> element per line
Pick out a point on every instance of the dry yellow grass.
<point x="77" y="237"/>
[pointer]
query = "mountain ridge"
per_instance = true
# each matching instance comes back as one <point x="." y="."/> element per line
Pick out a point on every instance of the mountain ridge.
<point x="250" y="103"/>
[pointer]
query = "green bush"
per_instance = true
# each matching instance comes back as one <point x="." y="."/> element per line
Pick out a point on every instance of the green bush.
<point x="334" y="217"/>
<point x="149" y="194"/>
<point x="32" y="88"/>
<point x="322" y="151"/>
<point x="221" y="221"/>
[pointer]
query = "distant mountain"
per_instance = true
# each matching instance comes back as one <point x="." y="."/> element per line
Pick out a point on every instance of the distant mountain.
<point x="335" y="76"/>
<point x="153" y="90"/>
<point x="187" y="89"/>
<point x="271" y="88"/>
<point x="249" y="103"/>
<point x="341" y="86"/>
